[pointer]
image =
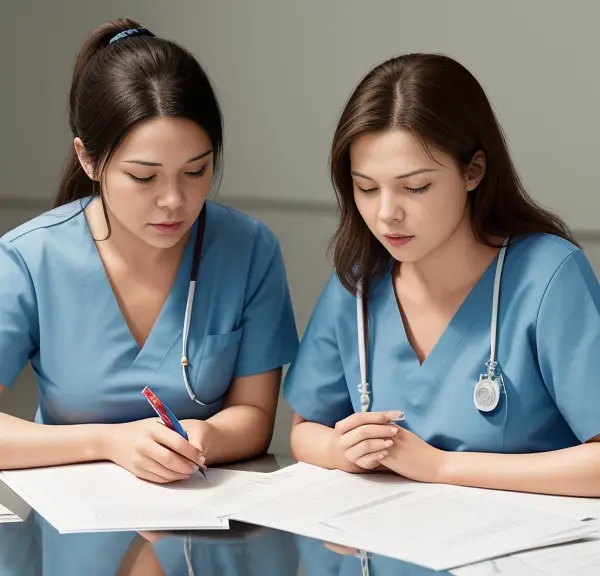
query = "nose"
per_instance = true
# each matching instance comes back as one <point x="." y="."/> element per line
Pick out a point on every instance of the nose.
<point x="171" y="198"/>
<point x="389" y="207"/>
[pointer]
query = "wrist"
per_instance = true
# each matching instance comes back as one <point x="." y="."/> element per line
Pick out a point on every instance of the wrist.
<point x="335" y="455"/>
<point x="444" y="468"/>
<point x="101" y="441"/>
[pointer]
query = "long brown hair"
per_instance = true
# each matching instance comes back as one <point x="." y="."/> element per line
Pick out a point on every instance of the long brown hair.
<point x="116" y="85"/>
<point x="442" y="104"/>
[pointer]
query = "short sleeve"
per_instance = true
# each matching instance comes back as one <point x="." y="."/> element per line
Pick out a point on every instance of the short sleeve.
<point x="18" y="315"/>
<point x="269" y="335"/>
<point x="315" y="386"/>
<point x="568" y="344"/>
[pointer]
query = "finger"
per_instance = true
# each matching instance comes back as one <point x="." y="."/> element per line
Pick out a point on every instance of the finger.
<point x="144" y="474"/>
<point x="367" y="432"/>
<point x="344" y="550"/>
<point x="362" y="418"/>
<point x="170" y="460"/>
<point x="371" y="461"/>
<point x="367" y="447"/>
<point x="153" y="536"/>
<point x="177" y="443"/>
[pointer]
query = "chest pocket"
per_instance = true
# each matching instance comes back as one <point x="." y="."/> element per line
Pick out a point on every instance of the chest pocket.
<point x="214" y="366"/>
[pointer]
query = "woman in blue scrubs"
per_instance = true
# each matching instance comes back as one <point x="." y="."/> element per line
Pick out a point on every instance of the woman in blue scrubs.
<point x="94" y="294"/>
<point x="429" y="197"/>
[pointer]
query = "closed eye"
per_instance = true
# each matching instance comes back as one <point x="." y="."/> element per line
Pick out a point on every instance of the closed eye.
<point x="418" y="190"/>
<point x="366" y="190"/>
<point x="142" y="180"/>
<point x="198" y="173"/>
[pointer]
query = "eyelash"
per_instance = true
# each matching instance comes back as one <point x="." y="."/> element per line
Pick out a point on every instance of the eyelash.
<point x="411" y="190"/>
<point x="197" y="174"/>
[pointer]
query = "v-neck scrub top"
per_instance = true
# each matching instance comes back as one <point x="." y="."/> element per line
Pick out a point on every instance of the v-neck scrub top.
<point x="547" y="349"/>
<point x="58" y="311"/>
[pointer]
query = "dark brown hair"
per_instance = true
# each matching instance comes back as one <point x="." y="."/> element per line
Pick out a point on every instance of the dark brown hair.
<point x="442" y="104"/>
<point x="116" y="85"/>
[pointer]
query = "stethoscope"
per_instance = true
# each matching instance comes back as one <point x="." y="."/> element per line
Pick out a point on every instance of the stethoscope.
<point x="486" y="394"/>
<point x="189" y="307"/>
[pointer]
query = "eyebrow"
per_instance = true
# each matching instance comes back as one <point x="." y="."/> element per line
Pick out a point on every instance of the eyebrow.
<point x="146" y="163"/>
<point x="413" y="173"/>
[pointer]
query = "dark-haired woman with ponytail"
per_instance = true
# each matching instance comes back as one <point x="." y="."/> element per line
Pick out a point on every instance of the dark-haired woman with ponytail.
<point x="136" y="279"/>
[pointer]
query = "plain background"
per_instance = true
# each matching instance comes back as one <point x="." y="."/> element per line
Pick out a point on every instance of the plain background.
<point x="283" y="71"/>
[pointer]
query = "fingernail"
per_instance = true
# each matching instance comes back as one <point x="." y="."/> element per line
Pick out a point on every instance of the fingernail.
<point x="393" y="430"/>
<point x="388" y="443"/>
<point x="399" y="415"/>
<point x="382" y="455"/>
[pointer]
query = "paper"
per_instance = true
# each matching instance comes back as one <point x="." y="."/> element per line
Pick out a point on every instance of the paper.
<point x="7" y="516"/>
<point x="103" y="496"/>
<point x="305" y="495"/>
<point x="441" y="528"/>
<point x="574" y="558"/>
<point x="571" y="506"/>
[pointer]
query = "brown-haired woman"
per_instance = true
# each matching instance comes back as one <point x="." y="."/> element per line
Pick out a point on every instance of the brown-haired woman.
<point x="99" y="295"/>
<point x="479" y="314"/>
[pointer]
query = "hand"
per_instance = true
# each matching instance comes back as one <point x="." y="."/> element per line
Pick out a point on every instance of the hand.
<point x="151" y="451"/>
<point x="200" y="434"/>
<point x="363" y="438"/>
<point x="413" y="458"/>
<point x="338" y="549"/>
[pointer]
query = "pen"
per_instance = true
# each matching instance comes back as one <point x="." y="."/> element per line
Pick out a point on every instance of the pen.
<point x="168" y="419"/>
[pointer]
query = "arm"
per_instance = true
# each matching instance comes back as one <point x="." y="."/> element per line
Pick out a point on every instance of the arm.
<point x="244" y="427"/>
<point x="312" y="443"/>
<point x="30" y="445"/>
<point x="569" y="472"/>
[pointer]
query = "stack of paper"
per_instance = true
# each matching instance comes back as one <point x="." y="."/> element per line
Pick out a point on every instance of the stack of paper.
<point x="575" y="558"/>
<point x="7" y="516"/>
<point x="104" y="497"/>
<point x="436" y="526"/>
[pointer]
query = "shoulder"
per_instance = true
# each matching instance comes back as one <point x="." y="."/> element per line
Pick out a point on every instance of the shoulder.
<point x="238" y="228"/>
<point x="540" y="256"/>
<point x="543" y="262"/>
<point x="35" y="234"/>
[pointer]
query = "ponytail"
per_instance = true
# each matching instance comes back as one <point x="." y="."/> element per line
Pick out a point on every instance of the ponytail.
<point x="75" y="183"/>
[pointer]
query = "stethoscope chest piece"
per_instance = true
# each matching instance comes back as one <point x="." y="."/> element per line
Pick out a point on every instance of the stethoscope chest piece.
<point x="487" y="393"/>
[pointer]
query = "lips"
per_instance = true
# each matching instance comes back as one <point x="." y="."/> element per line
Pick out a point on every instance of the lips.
<point x="398" y="239"/>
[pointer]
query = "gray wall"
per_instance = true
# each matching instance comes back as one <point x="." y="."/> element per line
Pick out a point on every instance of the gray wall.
<point x="283" y="70"/>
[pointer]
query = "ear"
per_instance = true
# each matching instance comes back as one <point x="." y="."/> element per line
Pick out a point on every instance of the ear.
<point x="84" y="158"/>
<point x="475" y="170"/>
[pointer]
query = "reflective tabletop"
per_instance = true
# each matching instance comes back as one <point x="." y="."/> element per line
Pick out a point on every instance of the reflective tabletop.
<point x="34" y="548"/>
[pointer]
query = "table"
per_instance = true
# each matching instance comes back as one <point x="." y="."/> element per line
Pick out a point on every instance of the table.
<point x="243" y="550"/>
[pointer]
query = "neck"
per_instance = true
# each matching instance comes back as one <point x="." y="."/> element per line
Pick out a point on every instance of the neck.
<point x="455" y="265"/>
<point x="127" y="247"/>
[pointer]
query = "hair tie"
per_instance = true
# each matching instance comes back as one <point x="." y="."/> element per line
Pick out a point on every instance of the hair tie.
<point x="129" y="33"/>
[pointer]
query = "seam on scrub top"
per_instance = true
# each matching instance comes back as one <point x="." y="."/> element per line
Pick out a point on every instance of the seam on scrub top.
<point x="537" y="317"/>
<point x="45" y="226"/>
<point x="162" y="361"/>
<point x="31" y="283"/>
<point x="439" y="372"/>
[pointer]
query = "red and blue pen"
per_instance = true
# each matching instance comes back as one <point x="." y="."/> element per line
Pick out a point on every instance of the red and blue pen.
<point x="168" y="419"/>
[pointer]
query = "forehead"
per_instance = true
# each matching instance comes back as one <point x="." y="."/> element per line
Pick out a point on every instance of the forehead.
<point x="164" y="140"/>
<point x="392" y="153"/>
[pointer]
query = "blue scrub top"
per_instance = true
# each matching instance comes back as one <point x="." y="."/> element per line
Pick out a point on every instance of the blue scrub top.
<point x="548" y="338"/>
<point x="58" y="311"/>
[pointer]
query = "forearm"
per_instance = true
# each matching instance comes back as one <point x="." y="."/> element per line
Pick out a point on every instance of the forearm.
<point x="26" y="444"/>
<point x="237" y="433"/>
<point x="313" y="443"/>
<point x="569" y="472"/>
